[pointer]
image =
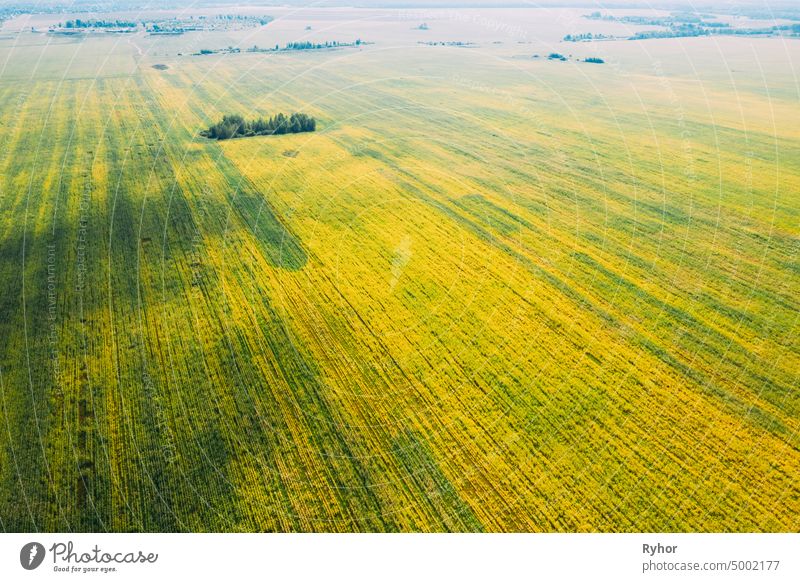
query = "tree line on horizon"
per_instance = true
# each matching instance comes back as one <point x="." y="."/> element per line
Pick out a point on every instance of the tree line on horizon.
<point x="232" y="126"/>
<point x="78" y="23"/>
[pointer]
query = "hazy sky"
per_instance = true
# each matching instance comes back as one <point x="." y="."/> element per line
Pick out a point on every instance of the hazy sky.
<point x="730" y="4"/>
<point x="699" y="5"/>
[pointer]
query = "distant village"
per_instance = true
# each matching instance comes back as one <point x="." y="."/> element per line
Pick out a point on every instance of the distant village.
<point x="166" y="26"/>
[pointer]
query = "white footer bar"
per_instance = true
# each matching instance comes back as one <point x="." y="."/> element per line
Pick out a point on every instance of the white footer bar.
<point x="407" y="557"/>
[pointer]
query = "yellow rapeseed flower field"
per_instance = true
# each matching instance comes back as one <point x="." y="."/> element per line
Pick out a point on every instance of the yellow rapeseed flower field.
<point x="487" y="294"/>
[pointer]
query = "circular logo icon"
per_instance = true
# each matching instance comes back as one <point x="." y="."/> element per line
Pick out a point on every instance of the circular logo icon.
<point x="31" y="555"/>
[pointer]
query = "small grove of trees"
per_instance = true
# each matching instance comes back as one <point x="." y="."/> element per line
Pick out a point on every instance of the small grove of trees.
<point x="304" y="46"/>
<point x="232" y="126"/>
<point x="586" y="37"/>
<point x="595" y="60"/>
<point x="78" y="23"/>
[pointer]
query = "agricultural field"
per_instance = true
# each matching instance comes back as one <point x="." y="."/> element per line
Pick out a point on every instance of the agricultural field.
<point x="490" y="292"/>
